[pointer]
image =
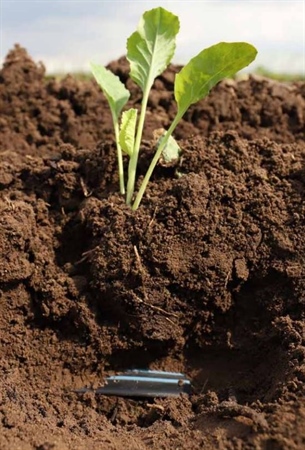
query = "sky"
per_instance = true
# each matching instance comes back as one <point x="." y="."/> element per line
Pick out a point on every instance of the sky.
<point x="67" y="34"/>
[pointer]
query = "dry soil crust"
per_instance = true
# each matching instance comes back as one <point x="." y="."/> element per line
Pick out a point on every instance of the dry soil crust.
<point x="207" y="277"/>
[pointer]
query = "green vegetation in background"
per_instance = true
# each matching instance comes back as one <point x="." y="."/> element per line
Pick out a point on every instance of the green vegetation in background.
<point x="81" y="76"/>
<point x="263" y="71"/>
<point x="280" y="76"/>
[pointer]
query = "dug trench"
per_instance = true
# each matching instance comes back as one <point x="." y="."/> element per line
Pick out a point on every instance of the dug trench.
<point x="206" y="277"/>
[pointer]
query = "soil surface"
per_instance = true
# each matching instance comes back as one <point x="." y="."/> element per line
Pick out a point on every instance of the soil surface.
<point x="206" y="278"/>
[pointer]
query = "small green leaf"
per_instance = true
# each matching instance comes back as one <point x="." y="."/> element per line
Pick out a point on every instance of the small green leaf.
<point x="117" y="96"/>
<point x="171" y="152"/>
<point x="206" y="69"/>
<point x="128" y="130"/>
<point x="151" y="48"/>
<point x="112" y="87"/>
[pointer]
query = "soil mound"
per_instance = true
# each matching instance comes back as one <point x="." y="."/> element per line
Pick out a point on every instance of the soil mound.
<point x="207" y="277"/>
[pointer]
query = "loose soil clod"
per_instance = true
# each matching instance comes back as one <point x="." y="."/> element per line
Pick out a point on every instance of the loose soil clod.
<point x="206" y="278"/>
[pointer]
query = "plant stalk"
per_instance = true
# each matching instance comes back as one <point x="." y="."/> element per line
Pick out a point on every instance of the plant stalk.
<point x="119" y="156"/>
<point x="155" y="160"/>
<point x="133" y="162"/>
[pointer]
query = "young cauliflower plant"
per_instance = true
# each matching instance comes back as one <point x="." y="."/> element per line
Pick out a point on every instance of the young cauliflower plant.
<point x="150" y="49"/>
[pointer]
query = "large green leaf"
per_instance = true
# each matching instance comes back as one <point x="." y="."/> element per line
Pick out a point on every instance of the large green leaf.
<point x="151" y="48"/>
<point x="114" y="90"/>
<point x="128" y="130"/>
<point x="206" y="69"/>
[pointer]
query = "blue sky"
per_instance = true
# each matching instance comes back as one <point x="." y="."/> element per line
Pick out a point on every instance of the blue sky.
<point x="67" y="34"/>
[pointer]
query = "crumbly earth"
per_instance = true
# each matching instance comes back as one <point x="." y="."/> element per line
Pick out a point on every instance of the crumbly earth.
<point x="207" y="277"/>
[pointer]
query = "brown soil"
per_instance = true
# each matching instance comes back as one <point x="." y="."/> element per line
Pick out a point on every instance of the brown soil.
<point x="207" y="277"/>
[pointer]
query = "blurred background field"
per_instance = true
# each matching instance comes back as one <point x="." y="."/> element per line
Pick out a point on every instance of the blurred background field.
<point x="67" y="34"/>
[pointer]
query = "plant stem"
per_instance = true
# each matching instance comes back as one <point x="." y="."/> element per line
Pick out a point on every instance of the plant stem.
<point x="133" y="162"/>
<point x="119" y="156"/>
<point x="154" y="161"/>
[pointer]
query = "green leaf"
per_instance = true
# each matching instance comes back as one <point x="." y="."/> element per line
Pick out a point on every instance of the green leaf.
<point x="112" y="87"/>
<point x="206" y="69"/>
<point x="151" y="48"/>
<point x="171" y="151"/>
<point x="128" y="130"/>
